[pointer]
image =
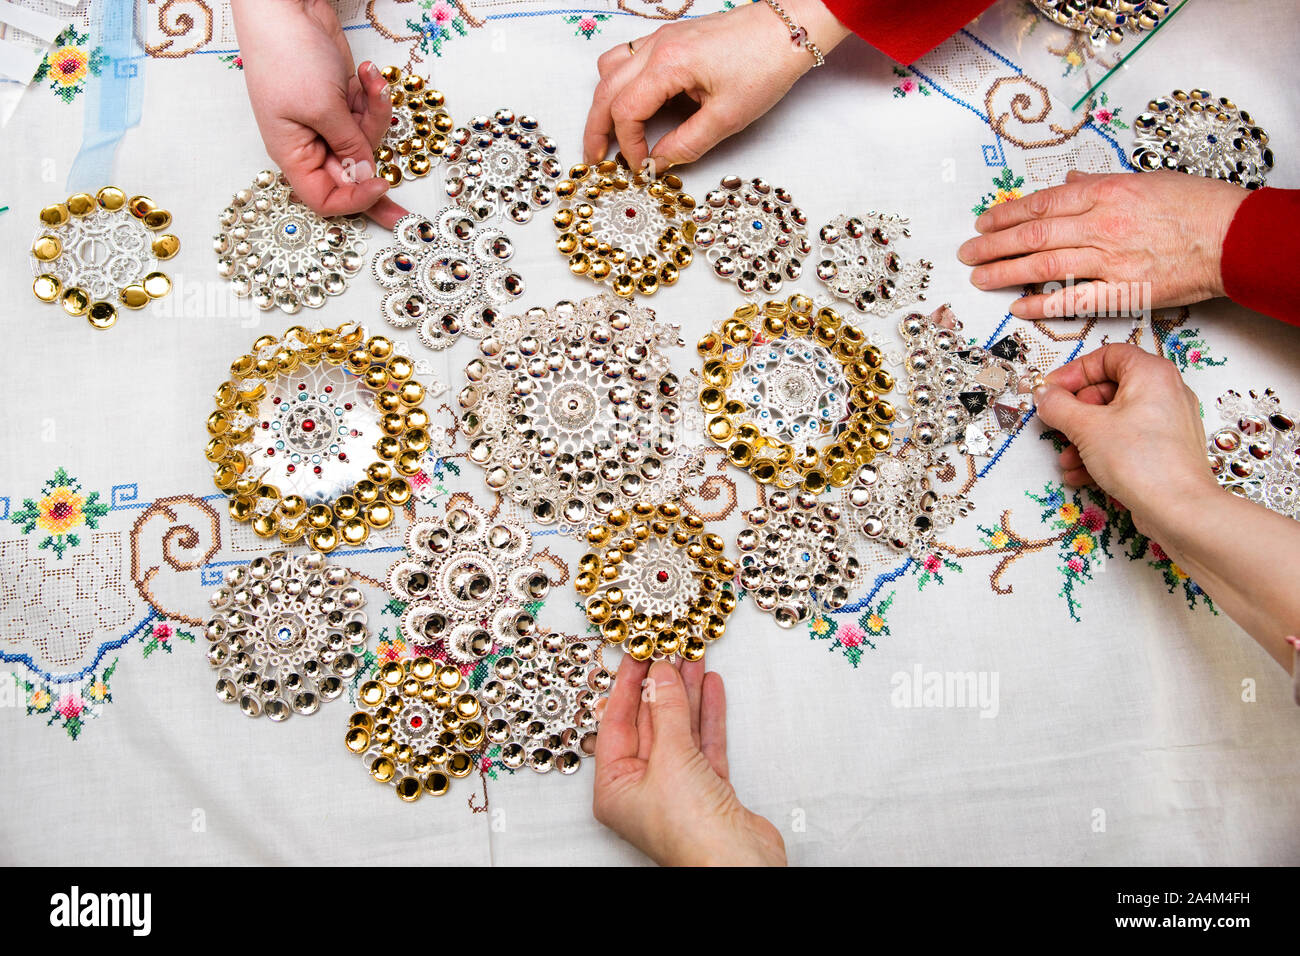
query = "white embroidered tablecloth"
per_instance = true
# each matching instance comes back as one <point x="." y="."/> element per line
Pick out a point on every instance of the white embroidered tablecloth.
<point x="1121" y="720"/>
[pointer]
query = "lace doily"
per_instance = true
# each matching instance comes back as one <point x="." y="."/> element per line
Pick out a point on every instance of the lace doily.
<point x="283" y="635"/>
<point x="573" y="412"/>
<point x="752" y="234"/>
<point x="954" y="387"/>
<point x="465" y="581"/>
<point x="505" y="160"/>
<point x="1105" y="21"/>
<point x="1199" y="134"/>
<point x="893" y="499"/>
<point x="624" y="228"/>
<point x="794" y="395"/>
<point x="540" y="703"/>
<point x="315" y="433"/>
<point x="419" y="726"/>
<point x="1257" y="453"/>
<point x="660" y="585"/>
<point x="794" y="558"/>
<point x="417" y="132"/>
<point x="859" y="264"/>
<point x="445" y="276"/>
<point x="90" y="249"/>
<point x="278" y="251"/>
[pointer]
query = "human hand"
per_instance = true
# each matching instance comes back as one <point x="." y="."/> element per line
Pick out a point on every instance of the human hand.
<point x="661" y="771"/>
<point x="736" y="64"/>
<point x="1134" y="427"/>
<point x="320" y="119"/>
<point x="1129" y="241"/>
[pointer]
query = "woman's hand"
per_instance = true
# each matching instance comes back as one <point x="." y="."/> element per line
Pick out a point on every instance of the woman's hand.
<point x="1127" y="242"/>
<point x="1134" y="427"/>
<point x="661" y="771"/>
<point x="320" y="118"/>
<point x="737" y="65"/>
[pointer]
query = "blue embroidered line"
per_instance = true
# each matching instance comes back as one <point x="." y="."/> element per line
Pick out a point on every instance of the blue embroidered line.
<point x="89" y="669"/>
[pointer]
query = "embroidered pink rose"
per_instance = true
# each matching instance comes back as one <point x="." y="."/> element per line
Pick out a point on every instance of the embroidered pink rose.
<point x="441" y="12"/>
<point x="587" y="25"/>
<point x="1158" y="552"/>
<point x="1094" y="519"/>
<point x="1194" y="355"/>
<point x="932" y="563"/>
<point x="850" y="636"/>
<point x="907" y="86"/>
<point x="71" y="706"/>
<point x="163" y="632"/>
<point x="1104" y="116"/>
<point x="418" y="480"/>
<point x="1075" y="565"/>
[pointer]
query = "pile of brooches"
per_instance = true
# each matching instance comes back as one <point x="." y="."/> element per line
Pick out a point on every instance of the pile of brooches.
<point x="1203" y="135"/>
<point x="860" y="265"/>
<point x="315" y="433"/>
<point x="656" y="582"/>
<point x="1105" y="21"/>
<point x="794" y="558"/>
<point x="417" y="132"/>
<point x="466" y="580"/>
<point x="504" y="160"/>
<point x="93" y="253"/>
<point x="421" y="724"/>
<point x="572" y="412"/>
<point x="752" y="234"/>
<point x="795" y="396"/>
<point x="624" y="228"/>
<point x="284" y="633"/>
<point x="276" y="250"/>
<point x="1256" y="454"/>
<point x="952" y="383"/>
<point x="446" y="275"/>
<point x="894" y="499"/>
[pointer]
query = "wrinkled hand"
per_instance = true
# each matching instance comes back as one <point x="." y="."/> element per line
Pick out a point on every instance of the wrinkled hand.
<point x="737" y="65"/>
<point x="661" y="771"/>
<point x="1110" y="234"/>
<point x="1135" y="428"/>
<point x="320" y="119"/>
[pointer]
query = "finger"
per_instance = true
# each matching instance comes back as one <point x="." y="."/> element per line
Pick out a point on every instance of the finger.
<point x="1060" y="232"/>
<point x="617" y="735"/>
<point x="600" y="123"/>
<point x="1075" y="298"/>
<point x="645" y="726"/>
<point x="386" y="213"/>
<point x="669" y="711"/>
<point x="1078" y="478"/>
<point x="695" y="137"/>
<point x="1059" y="409"/>
<point x="639" y="100"/>
<point x="1099" y="394"/>
<point x="1079" y="176"/>
<point x="1061" y="265"/>
<point x="1069" y="459"/>
<point x="713" y="724"/>
<point x="330" y="197"/>
<point x="1069" y="200"/>
<point x="343" y="135"/>
<point x="376" y="108"/>
<point x="693" y="677"/>
<point x="1110" y="363"/>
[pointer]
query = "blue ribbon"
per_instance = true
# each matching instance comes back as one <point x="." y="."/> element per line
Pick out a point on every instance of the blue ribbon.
<point x="115" y="102"/>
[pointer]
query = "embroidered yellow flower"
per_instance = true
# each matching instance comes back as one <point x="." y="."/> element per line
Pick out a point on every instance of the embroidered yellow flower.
<point x="97" y="690"/>
<point x="60" y="511"/>
<point x="1069" y="512"/>
<point x="1073" y="58"/>
<point x="999" y="539"/>
<point x="820" y="626"/>
<point x="40" y="699"/>
<point x="1005" y="195"/>
<point x="68" y="65"/>
<point x="1082" y="544"/>
<point x="875" y="624"/>
<point x="1182" y="575"/>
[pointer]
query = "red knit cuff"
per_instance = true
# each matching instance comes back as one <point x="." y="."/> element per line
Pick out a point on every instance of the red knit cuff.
<point x="906" y="31"/>
<point x="1260" y="253"/>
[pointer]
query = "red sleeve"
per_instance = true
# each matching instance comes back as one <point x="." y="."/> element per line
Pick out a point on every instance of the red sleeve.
<point x="1260" y="254"/>
<point x="902" y="30"/>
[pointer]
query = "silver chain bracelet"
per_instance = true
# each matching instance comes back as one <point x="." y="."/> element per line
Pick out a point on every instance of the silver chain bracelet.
<point x="798" y="35"/>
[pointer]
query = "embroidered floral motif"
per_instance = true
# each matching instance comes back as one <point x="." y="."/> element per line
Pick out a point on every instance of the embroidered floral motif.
<point x="931" y="567"/>
<point x="233" y="61"/>
<point x="1106" y="116"/>
<point x="163" y="636"/>
<point x="588" y="24"/>
<point x="439" y="22"/>
<point x="1007" y="186"/>
<point x="853" y="637"/>
<point x="68" y="705"/>
<point x="1184" y="347"/>
<point x="908" y="84"/>
<point x="62" y="509"/>
<point x="69" y="64"/>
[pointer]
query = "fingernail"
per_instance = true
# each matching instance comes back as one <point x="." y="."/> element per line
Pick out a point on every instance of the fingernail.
<point x="1018" y="308"/>
<point x="964" y="250"/>
<point x="982" y="222"/>
<point x="979" y="278"/>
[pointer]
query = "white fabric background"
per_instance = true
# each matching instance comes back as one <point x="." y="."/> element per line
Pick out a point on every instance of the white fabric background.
<point x="1136" y="711"/>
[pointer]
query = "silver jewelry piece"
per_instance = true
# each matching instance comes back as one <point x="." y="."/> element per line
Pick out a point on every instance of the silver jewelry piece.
<point x="752" y="234"/>
<point x="893" y="499"/>
<point x="1199" y="134"/>
<point x="860" y="265"/>
<point x="504" y="159"/>
<point x="1257" y="453"/>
